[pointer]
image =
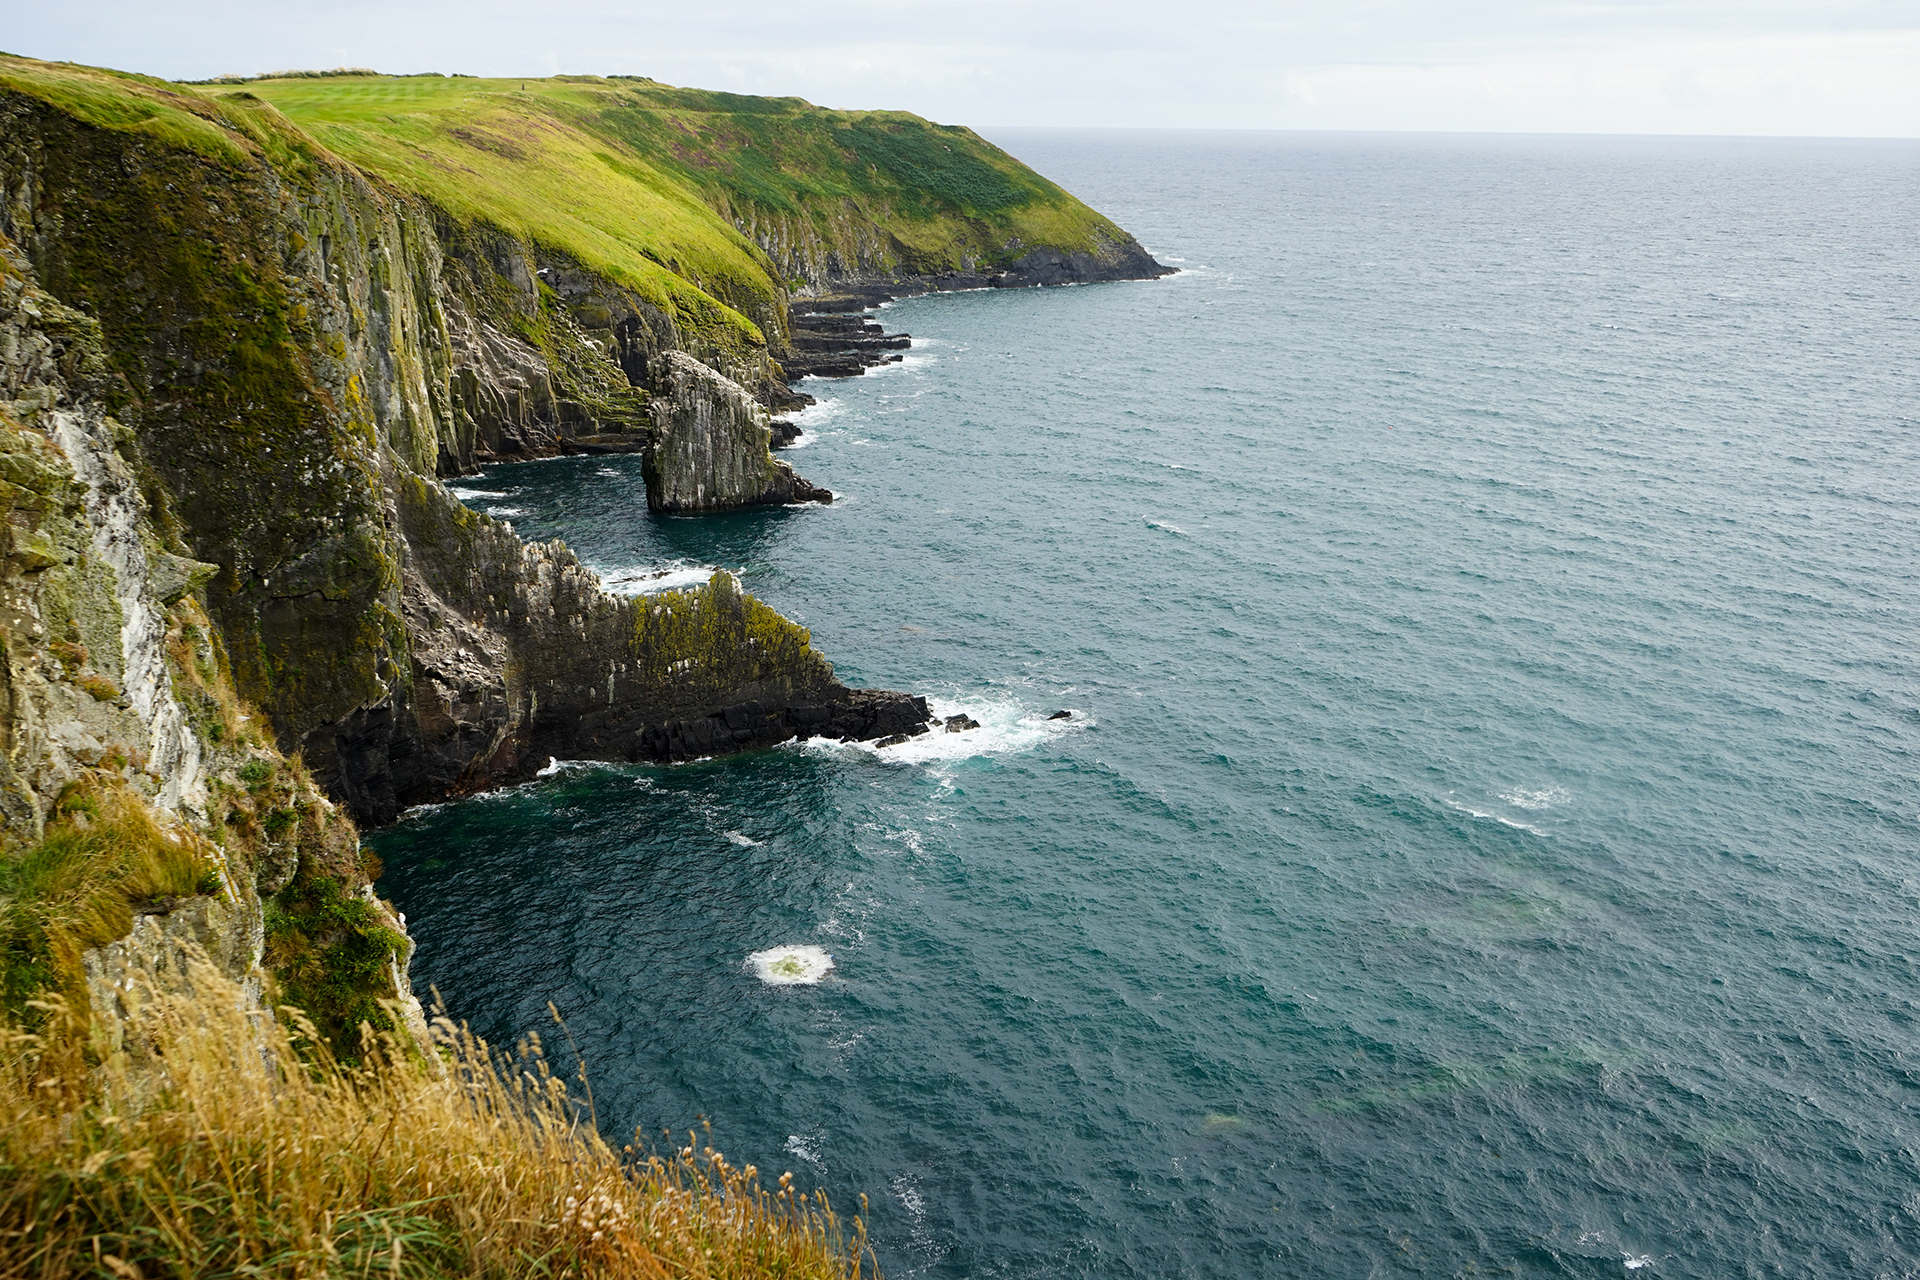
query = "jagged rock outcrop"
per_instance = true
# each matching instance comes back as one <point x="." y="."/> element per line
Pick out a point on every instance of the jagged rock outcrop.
<point x="711" y="442"/>
<point x="831" y="337"/>
<point x="300" y="362"/>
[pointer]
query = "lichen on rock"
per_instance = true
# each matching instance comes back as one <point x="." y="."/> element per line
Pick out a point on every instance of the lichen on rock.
<point x="711" y="448"/>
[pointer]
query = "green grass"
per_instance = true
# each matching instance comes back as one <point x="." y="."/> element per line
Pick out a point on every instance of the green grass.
<point x="231" y="128"/>
<point x="103" y="854"/>
<point x="628" y="175"/>
<point x="487" y="152"/>
<point x="645" y="184"/>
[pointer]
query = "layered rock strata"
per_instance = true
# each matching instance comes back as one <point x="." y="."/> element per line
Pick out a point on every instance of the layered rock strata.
<point x="834" y="338"/>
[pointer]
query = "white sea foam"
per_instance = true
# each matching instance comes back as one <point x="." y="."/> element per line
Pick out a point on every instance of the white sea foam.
<point x="910" y="1198"/>
<point x="503" y="512"/>
<point x="807" y="1147"/>
<point x="1500" y="818"/>
<point x="743" y="840"/>
<point x="1545" y="798"/>
<point x="818" y="414"/>
<point x="648" y="578"/>
<point x="1634" y="1264"/>
<point x="791" y="966"/>
<point x="909" y="361"/>
<point x="466" y="494"/>
<point x="1005" y="727"/>
<point x="1163" y="525"/>
<point x="552" y="767"/>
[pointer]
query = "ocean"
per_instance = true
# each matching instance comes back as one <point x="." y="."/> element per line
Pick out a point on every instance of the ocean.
<point x="1485" y="583"/>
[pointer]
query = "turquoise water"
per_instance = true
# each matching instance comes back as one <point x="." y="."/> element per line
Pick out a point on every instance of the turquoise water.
<point x="1487" y="836"/>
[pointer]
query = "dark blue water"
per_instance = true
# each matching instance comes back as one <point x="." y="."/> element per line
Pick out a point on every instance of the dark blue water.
<point x="1487" y="839"/>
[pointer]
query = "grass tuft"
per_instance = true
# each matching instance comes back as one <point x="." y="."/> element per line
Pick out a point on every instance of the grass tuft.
<point x="231" y="1144"/>
<point x="103" y="856"/>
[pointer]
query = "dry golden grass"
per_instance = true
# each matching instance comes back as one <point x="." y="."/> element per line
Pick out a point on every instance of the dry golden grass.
<point x="233" y="1145"/>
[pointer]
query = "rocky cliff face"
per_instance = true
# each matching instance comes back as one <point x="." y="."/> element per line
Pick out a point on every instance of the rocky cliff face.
<point x="711" y="442"/>
<point x="229" y="386"/>
<point x="299" y="369"/>
<point x="846" y="251"/>
<point x="143" y="814"/>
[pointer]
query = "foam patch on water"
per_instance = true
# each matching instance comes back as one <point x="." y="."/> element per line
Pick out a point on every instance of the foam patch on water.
<point x="1500" y="818"/>
<point x="807" y="1147"/>
<point x="467" y="494"/>
<point x="817" y="414"/>
<point x="503" y="512"/>
<point x="641" y="580"/>
<point x="1545" y="798"/>
<point x="791" y="966"/>
<point x="743" y="840"/>
<point x="907" y="361"/>
<point x="1634" y="1264"/>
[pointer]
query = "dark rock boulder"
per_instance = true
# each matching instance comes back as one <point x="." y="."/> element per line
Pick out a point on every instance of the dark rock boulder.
<point x="846" y="715"/>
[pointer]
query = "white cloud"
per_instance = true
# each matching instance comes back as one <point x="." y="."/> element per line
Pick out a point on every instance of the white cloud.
<point x="1847" y="67"/>
<point x="1852" y="84"/>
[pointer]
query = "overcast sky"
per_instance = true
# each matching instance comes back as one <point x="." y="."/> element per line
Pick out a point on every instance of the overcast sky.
<point x="1844" y="67"/>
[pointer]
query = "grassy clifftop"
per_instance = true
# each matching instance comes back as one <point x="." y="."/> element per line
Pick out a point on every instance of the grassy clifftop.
<point x="670" y="192"/>
<point x="631" y="176"/>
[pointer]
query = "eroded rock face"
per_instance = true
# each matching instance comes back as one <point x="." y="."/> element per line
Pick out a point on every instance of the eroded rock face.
<point x="226" y="393"/>
<point x="92" y="612"/>
<point x="711" y="442"/>
<point x="303" y="363"/>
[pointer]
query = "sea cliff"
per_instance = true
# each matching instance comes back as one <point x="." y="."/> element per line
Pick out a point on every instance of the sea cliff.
<point x="241" y="346"/>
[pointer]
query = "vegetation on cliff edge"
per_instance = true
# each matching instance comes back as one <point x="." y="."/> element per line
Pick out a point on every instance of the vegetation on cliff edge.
<point x="587" y="164"/>
<point x="224" y="1144"/>
<point x="663" y="190"/>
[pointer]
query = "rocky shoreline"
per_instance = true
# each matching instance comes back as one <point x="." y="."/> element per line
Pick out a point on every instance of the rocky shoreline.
<point x="698" y="411"/>
<point x="241" y="602"/>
